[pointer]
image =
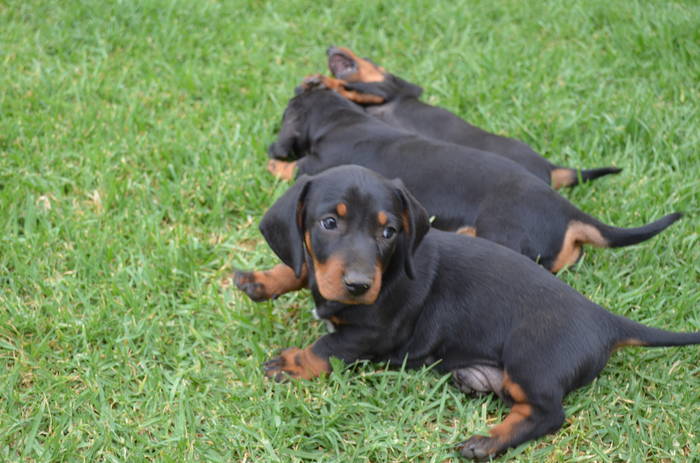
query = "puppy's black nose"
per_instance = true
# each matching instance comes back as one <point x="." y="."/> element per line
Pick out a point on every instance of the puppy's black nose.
<point x="356" y="288"/>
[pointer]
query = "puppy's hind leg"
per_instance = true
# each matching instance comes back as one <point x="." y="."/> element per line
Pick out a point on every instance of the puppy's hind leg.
<point x="533" y="414"/>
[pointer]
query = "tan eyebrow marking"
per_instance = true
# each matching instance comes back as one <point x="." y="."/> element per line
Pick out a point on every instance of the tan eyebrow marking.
<point x="341" y="209"/>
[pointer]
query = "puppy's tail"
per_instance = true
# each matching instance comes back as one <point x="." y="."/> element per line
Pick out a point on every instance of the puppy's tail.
<point x="615" y="237"/>
<point x="631" y="333"/>
<point x="566" y="176"/>
<point x="592" y="174"/>
<point x="585" y="229"/>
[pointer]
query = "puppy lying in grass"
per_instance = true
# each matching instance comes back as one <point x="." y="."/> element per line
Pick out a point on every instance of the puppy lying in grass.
<point x="397" y="290"/>
<point x="396" y="102"/>
<point x="465" y="189"/>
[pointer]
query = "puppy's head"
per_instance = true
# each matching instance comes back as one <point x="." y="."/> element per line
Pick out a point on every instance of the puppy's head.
<point x="292" y="138"/>
<point x="312" y="105"/>
<point x="352" y="228"/>
<point x="346" y="65"/>
<point x="364" y="76"/>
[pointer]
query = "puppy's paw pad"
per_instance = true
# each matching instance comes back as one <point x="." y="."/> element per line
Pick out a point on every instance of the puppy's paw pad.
<point x="477" y="447"/>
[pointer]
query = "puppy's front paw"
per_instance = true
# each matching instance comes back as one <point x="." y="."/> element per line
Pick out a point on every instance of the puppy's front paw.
<point x="280" y="169"/>
<point x="275" y="369"/>
<point x="249" y="284"/>
<point x="296" y="363"/>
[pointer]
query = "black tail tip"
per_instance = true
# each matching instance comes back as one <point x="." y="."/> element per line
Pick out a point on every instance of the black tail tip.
<point x="618" y="237"/>
<point x="666" y="221"/>
<point x="674" y="217"/>
<point x="591" y="174"/>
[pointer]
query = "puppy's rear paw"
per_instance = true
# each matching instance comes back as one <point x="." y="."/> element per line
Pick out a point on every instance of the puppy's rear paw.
<point x="478" y="447"/>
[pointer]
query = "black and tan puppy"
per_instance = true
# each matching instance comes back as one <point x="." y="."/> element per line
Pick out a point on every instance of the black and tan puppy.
<point x="465" y="189"/>
<point x="396" y="102"/>
<point x="397" y="290"/>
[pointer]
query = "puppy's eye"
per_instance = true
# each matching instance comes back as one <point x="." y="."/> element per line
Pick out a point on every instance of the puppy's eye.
<point x="388" y="232"/>
<point x="329" y="223"/>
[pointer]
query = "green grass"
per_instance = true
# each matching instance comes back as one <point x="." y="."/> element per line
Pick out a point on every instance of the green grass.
<point x="132" y="178"/>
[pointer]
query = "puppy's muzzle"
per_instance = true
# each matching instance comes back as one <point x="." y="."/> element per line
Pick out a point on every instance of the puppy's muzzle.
<point x="356" y="283"/>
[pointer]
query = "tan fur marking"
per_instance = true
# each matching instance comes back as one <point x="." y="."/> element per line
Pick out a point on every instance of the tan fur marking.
<point x="371" y="296"/>
<point x="382" y="218"/>
<point x="513" y="389"/>
<point x="366" y="71"/>
<point x="336" y="320"/>
<point x="519" y="412"/>
<point x="504" y="431"/>
<point x="405" y="223"/>
<point x="628" y="343"/>
<point x="303" y="363"/>
<point x="341" y="209"/>
<point x="280" y="279"/>
<point x="329" y="274"/>
<point x="577" y="234"/>
<point x="338" y="86"/>
<point x="307" y="241"/>
<point x="282" y="170"/>
<point x="329" y="278"/>
<point x="562" y="177"/>
<point x="469" y="231"/>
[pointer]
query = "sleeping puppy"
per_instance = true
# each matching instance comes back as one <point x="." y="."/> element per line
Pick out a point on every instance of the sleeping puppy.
<point x="396" y="102"/>
<point x="396" y="290"/>
<point x="466" y="190"/>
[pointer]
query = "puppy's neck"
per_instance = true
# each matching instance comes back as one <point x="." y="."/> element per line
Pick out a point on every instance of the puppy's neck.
<point x="395" y="88"/>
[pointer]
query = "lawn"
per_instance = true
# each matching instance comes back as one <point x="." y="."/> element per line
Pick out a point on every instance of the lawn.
<point x="133" y="143"/>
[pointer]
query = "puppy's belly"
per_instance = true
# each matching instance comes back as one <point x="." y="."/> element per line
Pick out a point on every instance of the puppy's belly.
<point x="479" y="379"/>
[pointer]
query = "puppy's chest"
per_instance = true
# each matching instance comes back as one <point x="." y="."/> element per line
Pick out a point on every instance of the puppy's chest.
<point x="330" y="326"/>
<point x="334" y="316"/>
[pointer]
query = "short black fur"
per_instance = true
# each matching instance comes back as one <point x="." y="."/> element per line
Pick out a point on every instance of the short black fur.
<point x="460" y="186"/>
<point x="495" y="319"/>
<point x="402" y="108"/>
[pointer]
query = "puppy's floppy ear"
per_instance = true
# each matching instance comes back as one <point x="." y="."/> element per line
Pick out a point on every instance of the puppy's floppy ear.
<point x="283" y="225"/>
<point x="414" y="225"/>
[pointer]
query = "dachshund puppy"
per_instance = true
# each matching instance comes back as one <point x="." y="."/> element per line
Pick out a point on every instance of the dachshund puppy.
<point x="465" y="189"/>
<point x="398" y="291"/>
<point x="396" y="102"/>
